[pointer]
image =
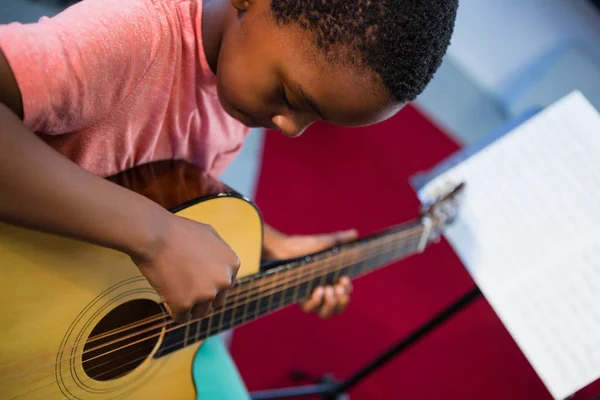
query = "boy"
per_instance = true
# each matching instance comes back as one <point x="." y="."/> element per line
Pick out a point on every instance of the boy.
<point x="110" y="84"/>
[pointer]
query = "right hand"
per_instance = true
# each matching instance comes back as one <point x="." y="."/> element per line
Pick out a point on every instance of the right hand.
<point x="191" y="268"/>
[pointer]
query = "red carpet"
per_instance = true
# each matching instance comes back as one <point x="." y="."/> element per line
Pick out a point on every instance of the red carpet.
<point x="330" y="179"/>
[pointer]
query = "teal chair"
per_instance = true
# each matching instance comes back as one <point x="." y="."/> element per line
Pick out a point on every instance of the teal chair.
<point x="215" y="373"/>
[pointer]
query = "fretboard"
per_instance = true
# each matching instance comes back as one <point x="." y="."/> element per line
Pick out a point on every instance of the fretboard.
<point x="294" y="281"/>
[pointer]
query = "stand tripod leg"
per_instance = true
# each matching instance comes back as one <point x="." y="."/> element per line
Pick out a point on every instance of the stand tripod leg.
<point x="335" y="390"/>
<point x="344" y="386"/>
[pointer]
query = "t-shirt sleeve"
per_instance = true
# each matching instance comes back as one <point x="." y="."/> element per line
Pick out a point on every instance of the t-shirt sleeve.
<point x="74" y="68"/>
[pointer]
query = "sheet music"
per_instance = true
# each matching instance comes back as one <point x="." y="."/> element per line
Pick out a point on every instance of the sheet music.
<point x="529" y="234"/>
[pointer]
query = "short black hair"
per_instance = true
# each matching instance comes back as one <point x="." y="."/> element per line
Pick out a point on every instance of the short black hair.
<point x="402" y="41"/>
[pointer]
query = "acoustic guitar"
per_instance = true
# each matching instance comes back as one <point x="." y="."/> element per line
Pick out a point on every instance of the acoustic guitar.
<point x="80" y="322"/>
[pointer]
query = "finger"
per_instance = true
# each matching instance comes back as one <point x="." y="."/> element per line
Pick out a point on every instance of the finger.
<point x="219" y="298"/>
<point x="347" y="236"/>
<point x="200" y="310"/>
<point x="341" y="299"/>
<point x="315" y="300"/>
<point x="333" y="239"/>
<point x="179" y="314"/>
<point x="328" y="303"/>
<point x="347" y="284"/>
<point x="236" y="268"/>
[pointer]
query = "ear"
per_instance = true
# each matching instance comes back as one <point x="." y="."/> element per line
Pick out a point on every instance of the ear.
<point x="241" y="5"/>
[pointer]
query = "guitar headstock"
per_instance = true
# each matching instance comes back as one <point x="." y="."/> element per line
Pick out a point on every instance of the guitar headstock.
<point x="443" y="208"/>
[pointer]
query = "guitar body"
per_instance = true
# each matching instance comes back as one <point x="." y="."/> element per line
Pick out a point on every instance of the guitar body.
<point x="56" y="293"/>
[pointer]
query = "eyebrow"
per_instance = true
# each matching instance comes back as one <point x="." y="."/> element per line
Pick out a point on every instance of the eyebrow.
<point x="311" y="102"/>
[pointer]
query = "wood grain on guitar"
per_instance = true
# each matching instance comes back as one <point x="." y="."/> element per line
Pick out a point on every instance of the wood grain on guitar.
<point x="80" y="322"/>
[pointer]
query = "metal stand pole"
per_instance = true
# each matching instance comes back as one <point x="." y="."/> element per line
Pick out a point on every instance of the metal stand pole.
<point x="335" y="390"/>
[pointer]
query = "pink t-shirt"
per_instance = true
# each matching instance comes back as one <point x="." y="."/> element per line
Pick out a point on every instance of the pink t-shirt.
<point x="117" y="83"/>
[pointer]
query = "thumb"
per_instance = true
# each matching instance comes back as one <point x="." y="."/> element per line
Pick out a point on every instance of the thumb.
<point x="341" y="237"/>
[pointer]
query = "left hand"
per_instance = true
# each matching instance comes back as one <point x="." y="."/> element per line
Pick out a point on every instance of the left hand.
<point x="327" y="300"/>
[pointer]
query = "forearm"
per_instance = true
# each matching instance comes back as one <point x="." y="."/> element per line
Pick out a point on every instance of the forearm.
<point x="42" y="190"/>
<point x="272" y="241"/>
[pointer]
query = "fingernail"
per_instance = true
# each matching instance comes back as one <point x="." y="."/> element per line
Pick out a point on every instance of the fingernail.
<point x="330" y="292"/>
<point x="339" y="290"/>
<point x="319" y="291"/>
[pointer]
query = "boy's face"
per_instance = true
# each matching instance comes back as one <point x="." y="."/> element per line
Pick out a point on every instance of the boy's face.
<point x="276" y="77"/>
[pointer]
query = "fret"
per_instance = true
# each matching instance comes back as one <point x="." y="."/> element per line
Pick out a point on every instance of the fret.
<point x="338" y="269"/>
<point x="187" y="334"/>
<point x="397" y="252"/>
<point x="419" y="241"/>
<point x="270" y="302"/>
<point x="357" y="268"/>
<point x="198" y="330"/>
<point x="277" y="297"/>
<point x="227" y="318"/>
<point x="209" y="326"/>
<point x="191" y="333"/>
<point x="251" y="309"/>
<point x="323" y="276"/>
<point x="228" y="315"/>
<point x="238" y="315"/>
<point x="244" y="313"/>
<point x="173" y="340"/>
<point x="260" y="288"/>
<point x="260" y="305"/>
<point x="384" y="257"/>
<point x="296" y="286"/>
<point x="202" y="332"/>
<point x="303" y="289"/>
<point x="407" y="248"/>
<point x="348" y="270"/>
<point x="288" y="294"/>
<point x="306" y="288"/>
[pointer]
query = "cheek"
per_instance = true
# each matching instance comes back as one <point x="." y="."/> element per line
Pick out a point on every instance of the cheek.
<point x="244" y="78"/>
<point x="230" y="82"/>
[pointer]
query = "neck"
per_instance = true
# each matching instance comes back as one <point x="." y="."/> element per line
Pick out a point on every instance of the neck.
<point x="294" y="281"/>
<point x="215" y="18"/>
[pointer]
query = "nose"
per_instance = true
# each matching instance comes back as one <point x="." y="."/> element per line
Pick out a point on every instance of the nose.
<point x="292" y="126"/>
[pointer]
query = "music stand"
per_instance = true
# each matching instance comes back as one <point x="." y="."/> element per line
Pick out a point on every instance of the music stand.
<point x="331" y="389"/>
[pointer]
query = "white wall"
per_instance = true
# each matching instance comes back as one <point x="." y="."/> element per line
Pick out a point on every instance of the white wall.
<point x="495" y="38"/>
<point x="24" y="11"/>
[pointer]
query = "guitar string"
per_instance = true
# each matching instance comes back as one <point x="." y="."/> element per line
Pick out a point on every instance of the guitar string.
<point x="275" y="287"/>
<point x="284" y="277"/>
<point x="173" y="328"/>
<point x="170" y="346"/>
<point x="141" y="358"/>
<point x="262" y="309"/>
<point x="236" y="291"/>
<point x="256" y="286"/>
<point x="147" y="338"/>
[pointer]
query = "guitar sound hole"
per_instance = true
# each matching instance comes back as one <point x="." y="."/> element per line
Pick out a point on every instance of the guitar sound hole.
<point x="122" y="340"/>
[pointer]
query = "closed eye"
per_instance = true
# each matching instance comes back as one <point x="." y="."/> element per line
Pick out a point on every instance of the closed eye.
<point x="286" y="99"/>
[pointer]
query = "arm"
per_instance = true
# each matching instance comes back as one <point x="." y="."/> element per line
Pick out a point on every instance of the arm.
<point x="273" y="242"/>
<point x="32" y="174"/>
<point x="43" y="190"/>
<point x="188" y="264"/>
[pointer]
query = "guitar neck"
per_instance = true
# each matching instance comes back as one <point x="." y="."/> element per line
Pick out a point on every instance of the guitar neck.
<point x="294" y="281"/>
